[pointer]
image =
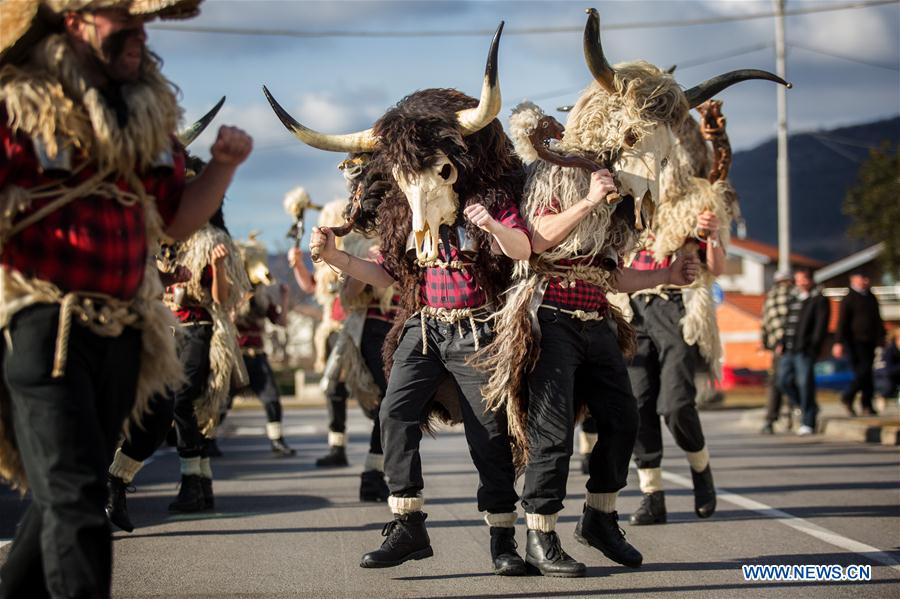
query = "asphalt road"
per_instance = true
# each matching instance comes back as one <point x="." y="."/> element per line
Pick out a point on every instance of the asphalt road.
<point x="283" y="528"/>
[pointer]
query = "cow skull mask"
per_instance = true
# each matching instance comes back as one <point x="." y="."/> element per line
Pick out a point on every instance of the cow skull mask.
<point x="432" y="201"/>
<point x="639" y="168"/>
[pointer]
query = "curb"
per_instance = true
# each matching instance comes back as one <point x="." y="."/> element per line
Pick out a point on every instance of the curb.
<point x="880" y="430"/>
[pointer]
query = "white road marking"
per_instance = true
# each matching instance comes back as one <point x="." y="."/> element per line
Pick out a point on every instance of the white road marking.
<point x="799" y="524"/>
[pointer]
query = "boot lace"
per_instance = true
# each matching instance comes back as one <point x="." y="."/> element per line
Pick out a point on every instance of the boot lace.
<point x="392" y="532"/>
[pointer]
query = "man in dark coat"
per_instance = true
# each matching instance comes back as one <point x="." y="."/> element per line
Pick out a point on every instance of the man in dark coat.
<point x="860" y="330"/>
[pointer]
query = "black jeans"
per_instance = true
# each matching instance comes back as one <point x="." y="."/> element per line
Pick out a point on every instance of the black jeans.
<point x="662" y="376"/>
<point x="578" y="360"/>
<point x="336" y="396"/>
<point x="414" y="379"/>
<point x="67" y="430"/>
<point x="861" y="356"/>
<point x="193" y="351"/>
<point x="374" y="333"/>
<point x="262" y="382"/>
<point x="145" y="438"/>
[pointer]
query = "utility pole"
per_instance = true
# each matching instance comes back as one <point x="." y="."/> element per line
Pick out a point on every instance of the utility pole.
<point x="784" y="197"/>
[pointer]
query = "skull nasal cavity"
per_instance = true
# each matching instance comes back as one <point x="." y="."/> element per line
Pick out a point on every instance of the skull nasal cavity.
<point x="445" y="172"/>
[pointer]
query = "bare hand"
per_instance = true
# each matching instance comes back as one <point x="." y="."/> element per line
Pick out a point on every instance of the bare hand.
<point x="321" y="242"/>
<point x="480" y="217"/>
<point x="232" y="146"/>
<point x="707" y="220"/>
<point x="837" y="350"/>
<point x="779" y="349"/>
<point x="218" y="255"/>
<point x="602" y="185"/>
<point x="295" y="255"/>
<point x="684" y="271"/>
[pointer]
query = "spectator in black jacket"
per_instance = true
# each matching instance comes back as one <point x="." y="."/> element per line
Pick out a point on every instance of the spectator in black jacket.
<point x="860" y="331"/>
<point x="804" y="336"/>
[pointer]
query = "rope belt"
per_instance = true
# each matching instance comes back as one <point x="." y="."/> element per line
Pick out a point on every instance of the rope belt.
<point x="104" y="315"/>
<point x="581" y="315"/>
<point x="665" y="293"/>
<point x="438" y="263"/>
<point x="454" y="316"/>
<point x="196" y="323"/>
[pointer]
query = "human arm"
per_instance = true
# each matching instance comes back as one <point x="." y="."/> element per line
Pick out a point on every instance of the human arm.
<point x="203" y="194"/>
<point x="512" y="242"/>
<point x="715" y="252"/>
<point x="843" y="329"/>
<point x="682" y="272"/>
<point x="322" y="242"/>
<point x="551" y="229"/>
<point x="302" y="276"/>
<point x="221" y="285"/>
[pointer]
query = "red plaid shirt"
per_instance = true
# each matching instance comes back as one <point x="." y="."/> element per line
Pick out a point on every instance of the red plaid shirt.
<point x="453" y="288"/>
<point x="92" y="244"/>
<point x="644" y="260"/>
<point x="581" y="295"/>
<point x="390" y="315"/>
<point x="195" y="313"/>
<point x="250" y="327"/>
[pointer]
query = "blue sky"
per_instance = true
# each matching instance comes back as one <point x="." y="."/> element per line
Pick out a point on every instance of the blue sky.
<point x="340" y="84"/>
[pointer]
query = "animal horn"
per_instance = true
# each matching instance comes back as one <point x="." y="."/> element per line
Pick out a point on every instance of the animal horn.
<point x="701" y="93"/>
<point x="472" y="120"/>
<point x="362" y="141"/>
<point x="593" y="53"/>
<point x="188" y="135"/>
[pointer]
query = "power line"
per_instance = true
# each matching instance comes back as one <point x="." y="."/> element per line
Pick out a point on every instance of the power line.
<point x="869" y="63"/>
<point x="299" y="33"/>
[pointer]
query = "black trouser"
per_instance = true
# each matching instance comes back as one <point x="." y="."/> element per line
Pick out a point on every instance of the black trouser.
<point x="67" y="430"/>
<point x="262" y="382"/>
<point x="193" y="351"/>
<point x="662" y="376"/>
<point x="336" y="395"/>
<point x="374" y="333"/>
<point x="587" y="352"/>
<point x="145" y="438"/>
<point x="861" y="355"/>
<point x="414" y="379"/>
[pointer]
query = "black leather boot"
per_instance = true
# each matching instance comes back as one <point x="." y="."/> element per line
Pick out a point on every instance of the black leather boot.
<point x="336" y="457"/>
<point x="372" y="486"/>
<point x="507" y="561"/>
<point x="601" y="531"/>
<point x="190" y="495"/>
<point x="281" y="449"/>
<point x="209" y="500"/>
<point x="406" y="539"/>
<point x="544" y="555"/>
<point x="116" y="506"/>
<point x="652" y="509"/>
<point x="704" y="493"/>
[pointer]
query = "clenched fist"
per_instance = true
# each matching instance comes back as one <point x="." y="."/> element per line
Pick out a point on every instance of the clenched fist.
<point x="602" y="184"/>
<point x="321" y="243"/>
<point x="684" y="271"/>
<point x="480" y="217"/>
<point x="218" y="254"/>
<point x="232" y="146"/>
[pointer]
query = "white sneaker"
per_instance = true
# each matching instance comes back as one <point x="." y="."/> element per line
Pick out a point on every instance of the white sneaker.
<point x="804" y="430"/>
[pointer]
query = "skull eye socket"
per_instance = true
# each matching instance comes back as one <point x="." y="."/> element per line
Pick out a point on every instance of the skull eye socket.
<point x="663" y="162"/>
<point x="630" y="138"/>
<point x="445" y="172"/>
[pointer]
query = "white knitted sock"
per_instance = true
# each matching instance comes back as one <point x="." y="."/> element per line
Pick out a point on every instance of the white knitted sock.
<point x="190" y="467"/>
<point x="541" y="522"/>
<point x="205" y="468"/>
<point x="602" y="502"/>
<point x="124" y="467"/>
<point x="650" y="479"/>
<point x="374" y="461"/>
<point x="698" y="460"/>
<point x="503" y="520"/>
<point x="336" y="439"/>
<point x="274" y="431"/>
<point x="405" y="505"/>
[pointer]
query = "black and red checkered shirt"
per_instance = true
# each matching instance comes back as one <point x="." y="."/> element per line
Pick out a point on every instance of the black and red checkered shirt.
<point x="92" y="244"/>
<point x="454" y="288"/>
<point x="251" y="326"/>
<point x="644" y="260"/>
<point x="188" y="314"/>
<point x="390" y="315"/>
<point x="581" y="295"/>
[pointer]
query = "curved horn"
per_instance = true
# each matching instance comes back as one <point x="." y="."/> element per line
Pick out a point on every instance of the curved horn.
<point x="363" y="141"/>
<point x="188" y="135"/>
<point x="472" y="120"/>
<point x="701" y="93"/>
<point x="593" y="53"/>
